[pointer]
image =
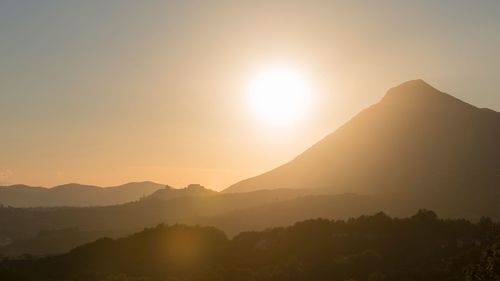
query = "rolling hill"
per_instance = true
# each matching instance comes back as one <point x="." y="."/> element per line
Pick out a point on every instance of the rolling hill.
<point x="75" y="194"/>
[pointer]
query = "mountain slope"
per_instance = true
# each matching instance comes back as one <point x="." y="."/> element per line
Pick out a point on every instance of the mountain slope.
<point x="75" y="194"/>
<point x="416" y="139"/>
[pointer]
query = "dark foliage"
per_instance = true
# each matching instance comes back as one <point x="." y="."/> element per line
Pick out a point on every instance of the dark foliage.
<point x="378" y="247"/>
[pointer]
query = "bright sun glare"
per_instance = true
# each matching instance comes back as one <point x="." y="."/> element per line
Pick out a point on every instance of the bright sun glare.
<point x="279" y="96"/>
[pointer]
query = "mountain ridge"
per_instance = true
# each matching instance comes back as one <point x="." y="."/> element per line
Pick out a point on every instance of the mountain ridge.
<point x="414" y="130"/>
<point x="74" y="194"/>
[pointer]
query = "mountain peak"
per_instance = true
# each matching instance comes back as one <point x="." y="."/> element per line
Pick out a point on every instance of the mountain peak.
<point x="414" y="85"/>
<point x="420" y="93"/>
<point x="416" y="137"/>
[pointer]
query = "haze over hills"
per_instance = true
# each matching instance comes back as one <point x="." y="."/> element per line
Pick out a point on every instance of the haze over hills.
<point x="75" y="194"/>
<point x="58" y="229"/>
<point x="416" y="148"/>
<point x="416" y="140"/>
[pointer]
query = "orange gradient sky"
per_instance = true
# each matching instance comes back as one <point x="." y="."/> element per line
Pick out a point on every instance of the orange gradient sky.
<point x="107" y="92"/>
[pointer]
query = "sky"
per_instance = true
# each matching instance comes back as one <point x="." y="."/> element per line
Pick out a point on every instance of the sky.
<point x="108" y="92"/>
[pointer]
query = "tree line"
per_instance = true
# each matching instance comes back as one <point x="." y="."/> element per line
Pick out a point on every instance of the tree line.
<point x="371" y="248"/>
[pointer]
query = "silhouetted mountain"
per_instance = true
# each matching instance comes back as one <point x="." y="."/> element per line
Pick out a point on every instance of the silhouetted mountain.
<point x="75" y="194"/>
<point x="416" y="141"/>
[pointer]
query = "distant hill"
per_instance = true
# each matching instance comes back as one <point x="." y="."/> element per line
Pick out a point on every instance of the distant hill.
<point x="75" y="194"/>
<point x="56" y="230"/>
<point x="416" y="141"/>
<point x="168" y="193"/>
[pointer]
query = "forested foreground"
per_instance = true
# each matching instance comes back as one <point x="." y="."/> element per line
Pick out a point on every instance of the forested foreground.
<point x="421" y="247"/>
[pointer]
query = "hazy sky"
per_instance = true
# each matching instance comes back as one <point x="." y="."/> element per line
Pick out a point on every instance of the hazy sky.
<point x="106" y="92"/>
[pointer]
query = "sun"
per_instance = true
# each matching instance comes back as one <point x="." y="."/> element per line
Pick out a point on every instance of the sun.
<point x="279" y="95"/>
